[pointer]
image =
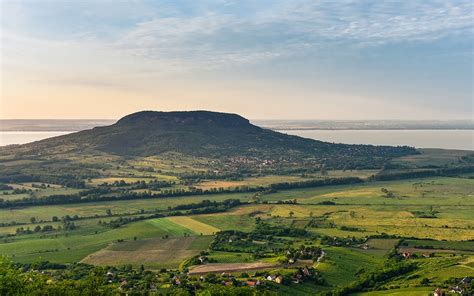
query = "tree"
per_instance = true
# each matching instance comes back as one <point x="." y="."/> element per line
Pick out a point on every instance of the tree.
<point x="291" y="213"/>
<point x="33" y="220"/>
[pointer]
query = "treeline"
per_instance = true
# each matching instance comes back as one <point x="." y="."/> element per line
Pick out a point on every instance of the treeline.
<point x="151" y="185"/>
<point x="316" y="183"/>
<point x="107" y="194"/>
<point x="71" y="181"/>
<point x="447" y="172"/>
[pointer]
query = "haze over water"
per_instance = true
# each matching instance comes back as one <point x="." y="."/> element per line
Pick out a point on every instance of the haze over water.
<point x="26" y="131"/>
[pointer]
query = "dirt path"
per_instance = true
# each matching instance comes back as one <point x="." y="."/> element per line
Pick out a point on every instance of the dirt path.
<point x="320" y="258"/>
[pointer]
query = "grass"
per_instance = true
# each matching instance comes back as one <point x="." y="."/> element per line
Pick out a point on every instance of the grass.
<point x="341" y="265"/>
<point x="231" y="257"/>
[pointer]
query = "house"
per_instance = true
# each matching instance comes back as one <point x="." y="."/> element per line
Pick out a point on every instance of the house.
<point x="456" y="289"/>
<point x="123" y="283"/>
<point x="406" y="255"/>
<point x="176" y="281"/>
<point x="438" y="292"/>
<point x="271" y="278"/>
<point x="291" y="261"/>
<point x="279" y="279"/>
<point x="253" y="283"/>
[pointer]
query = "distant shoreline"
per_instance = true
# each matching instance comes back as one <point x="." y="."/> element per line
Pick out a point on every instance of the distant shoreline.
<point x="73" y="125"/>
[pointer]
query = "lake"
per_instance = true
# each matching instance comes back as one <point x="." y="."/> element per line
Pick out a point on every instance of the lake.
<point x="447" y="139"/>
<point x="23" y="137"/>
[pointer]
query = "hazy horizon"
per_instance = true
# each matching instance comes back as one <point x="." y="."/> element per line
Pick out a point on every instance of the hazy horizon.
<point x="268" y="60"/>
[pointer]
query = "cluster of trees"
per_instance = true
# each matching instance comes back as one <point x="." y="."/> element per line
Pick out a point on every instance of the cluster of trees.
<point x="341" y="241"/>
<point x="304" y="253"/>
<point x="316" y="183"/>
<point x="373" y="280"/>
<point x="151" y="185"/>
<point x="238" y="241"/>
<point x="5" y="187"/>
<point x="68" y="225"/>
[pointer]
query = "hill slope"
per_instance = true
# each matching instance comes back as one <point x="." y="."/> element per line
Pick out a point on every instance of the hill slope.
<point x="207" y="134"/>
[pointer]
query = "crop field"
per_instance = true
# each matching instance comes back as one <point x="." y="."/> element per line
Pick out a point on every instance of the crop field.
<point x="76" y="245"/>
<point x="194" y="225"/>
<point x="152" y="253"/>
<point x="228" y="221"/>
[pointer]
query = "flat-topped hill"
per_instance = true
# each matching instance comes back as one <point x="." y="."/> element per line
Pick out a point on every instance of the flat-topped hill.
<point x="206" y="134"/>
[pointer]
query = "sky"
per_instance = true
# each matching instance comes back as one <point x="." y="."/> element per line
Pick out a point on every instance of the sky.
<point x="278" y="59"/>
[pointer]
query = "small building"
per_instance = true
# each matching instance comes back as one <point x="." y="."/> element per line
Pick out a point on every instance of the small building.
<point x="279" y="279"/>
<point x="438" y="292"/>
<point x="271" y="278"/>
<point x="456" y="289"/>
<point x="253" y="283"/>
<point x="406" y="255"/>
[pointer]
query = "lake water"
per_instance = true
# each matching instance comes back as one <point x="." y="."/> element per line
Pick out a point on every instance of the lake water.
<point x="447" y="139"/>
<point x="8" y="138"/>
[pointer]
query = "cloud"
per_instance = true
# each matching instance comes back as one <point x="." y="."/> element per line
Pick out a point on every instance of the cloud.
<point x="220" y="38"/>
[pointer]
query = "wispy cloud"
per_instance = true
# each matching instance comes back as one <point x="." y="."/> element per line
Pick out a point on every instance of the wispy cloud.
<point x="274" y="48"/>
<point x="291" y="28"/>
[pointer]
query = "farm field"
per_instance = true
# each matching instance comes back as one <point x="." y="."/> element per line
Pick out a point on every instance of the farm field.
<point x="153" y="253"/>
<point x="194" y="225"/>
<point x="353" y="224"/>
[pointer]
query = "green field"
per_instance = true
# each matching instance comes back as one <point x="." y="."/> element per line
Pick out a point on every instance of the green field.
<point x="358" y="211"/>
